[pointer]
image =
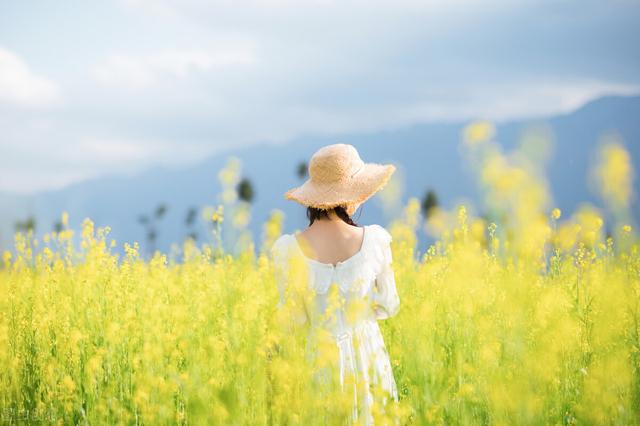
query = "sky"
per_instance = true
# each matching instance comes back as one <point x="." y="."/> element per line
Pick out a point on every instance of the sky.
<point x="114" y="87"/>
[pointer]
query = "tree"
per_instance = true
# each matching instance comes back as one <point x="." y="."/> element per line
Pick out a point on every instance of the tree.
<point x="189" y="221"/>
<point x="245" y="190"/>
<point x="191" y="216"/>
<point x="161" y="210"/>
<point x="429" y="202"/>
<point x="29" y="224"/>
<point x="150" y="224"/>
<point x="302" y="170"/>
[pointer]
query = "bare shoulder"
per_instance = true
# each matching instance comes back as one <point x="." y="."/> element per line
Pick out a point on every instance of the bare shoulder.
<point x="311" y="234"/>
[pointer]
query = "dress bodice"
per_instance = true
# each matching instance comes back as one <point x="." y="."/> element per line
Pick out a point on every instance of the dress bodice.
<point x="367" y="275"/>
<point x="365" y="281"/>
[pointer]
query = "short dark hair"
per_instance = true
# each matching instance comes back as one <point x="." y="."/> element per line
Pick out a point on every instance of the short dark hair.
<point x="314" y="213"/>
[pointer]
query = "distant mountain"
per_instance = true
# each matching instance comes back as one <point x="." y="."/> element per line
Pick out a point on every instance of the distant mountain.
<point x="426" y="154"/>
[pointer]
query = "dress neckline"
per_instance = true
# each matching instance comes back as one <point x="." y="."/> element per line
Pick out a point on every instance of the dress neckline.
<point x="342" y="262"/>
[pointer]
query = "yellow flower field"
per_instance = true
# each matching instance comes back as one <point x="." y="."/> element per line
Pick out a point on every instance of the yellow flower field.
<point x="532" y="320"/>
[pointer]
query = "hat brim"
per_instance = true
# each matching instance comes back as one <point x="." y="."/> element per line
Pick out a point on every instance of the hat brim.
<point x="371" y="178"/>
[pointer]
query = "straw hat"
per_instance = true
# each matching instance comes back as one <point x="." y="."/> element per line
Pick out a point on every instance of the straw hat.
<point x="337" y="176"/>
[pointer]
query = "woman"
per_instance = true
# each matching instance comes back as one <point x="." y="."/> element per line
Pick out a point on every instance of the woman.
<point x="352" y="261"/>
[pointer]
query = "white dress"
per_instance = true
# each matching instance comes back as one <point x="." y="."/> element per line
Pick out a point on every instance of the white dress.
<point x="366" y="278"/>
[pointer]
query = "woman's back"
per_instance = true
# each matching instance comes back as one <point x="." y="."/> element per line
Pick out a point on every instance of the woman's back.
<point x="365" y="285"/>
<point x="331" y="242"/>
<point x="366" y="273"/>
<point x="350" y="282"/>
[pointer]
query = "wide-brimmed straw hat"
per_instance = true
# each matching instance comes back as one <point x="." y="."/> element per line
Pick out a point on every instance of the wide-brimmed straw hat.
<point x="338" y="176"/>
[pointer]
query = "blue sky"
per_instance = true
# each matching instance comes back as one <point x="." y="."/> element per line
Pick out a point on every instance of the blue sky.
<point x="113" y="87"/>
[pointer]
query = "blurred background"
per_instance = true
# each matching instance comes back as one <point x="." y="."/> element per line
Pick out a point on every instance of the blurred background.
<point x="149" y="115"/>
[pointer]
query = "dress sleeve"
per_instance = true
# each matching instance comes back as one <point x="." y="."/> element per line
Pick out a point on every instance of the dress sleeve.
<point x="386" y="301"/>
<point x="278" y="256"/>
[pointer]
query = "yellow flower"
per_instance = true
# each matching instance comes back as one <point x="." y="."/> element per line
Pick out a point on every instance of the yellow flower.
<point x="218" y="215"/>
<point x="614" y="173"/>
<point x="6" y="257"/>
<point x="478" y="132"/>
<point x="68" y="384"/>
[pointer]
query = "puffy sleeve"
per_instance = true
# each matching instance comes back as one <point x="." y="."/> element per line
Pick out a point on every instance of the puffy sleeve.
<point x="384" y="295"/>
<point x="279" y="258"/>
<point x="289" y="300"/>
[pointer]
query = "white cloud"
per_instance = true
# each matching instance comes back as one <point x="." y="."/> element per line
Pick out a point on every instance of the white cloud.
<point x="220" y="73"/>
<point x="527" y="99"/>
<point x="174" y="8"/>
<point x="138" y="72"/>
<point x="20" y="86"/>
<point x="39" y="163"/>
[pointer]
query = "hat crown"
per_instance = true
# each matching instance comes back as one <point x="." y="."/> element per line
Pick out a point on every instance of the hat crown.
<point x="334" y="163"/>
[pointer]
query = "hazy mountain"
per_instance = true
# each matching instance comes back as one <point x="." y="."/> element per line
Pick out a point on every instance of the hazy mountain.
<point x="427" y="155"/>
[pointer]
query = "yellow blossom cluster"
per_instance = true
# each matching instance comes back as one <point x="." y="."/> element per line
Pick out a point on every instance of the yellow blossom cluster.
<point x="517" y="318"/>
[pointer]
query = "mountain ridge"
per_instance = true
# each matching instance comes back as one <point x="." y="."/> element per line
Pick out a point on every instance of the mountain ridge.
<point x="426" y="153"/>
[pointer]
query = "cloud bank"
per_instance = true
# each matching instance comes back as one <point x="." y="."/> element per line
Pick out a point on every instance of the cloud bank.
<point x="20" y="86"/>
<point x="149" y="82"/>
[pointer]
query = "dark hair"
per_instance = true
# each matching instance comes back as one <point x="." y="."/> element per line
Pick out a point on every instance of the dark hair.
<point x="314" y="214"/>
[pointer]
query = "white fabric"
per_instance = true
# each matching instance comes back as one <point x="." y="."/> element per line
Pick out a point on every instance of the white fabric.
<point x="366" y="276"/>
